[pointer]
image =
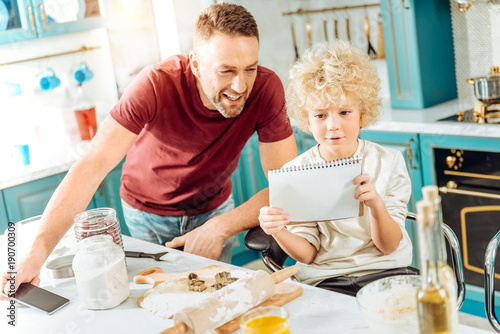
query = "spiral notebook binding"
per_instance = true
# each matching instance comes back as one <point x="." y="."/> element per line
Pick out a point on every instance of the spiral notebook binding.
<point x="334" y="163"/>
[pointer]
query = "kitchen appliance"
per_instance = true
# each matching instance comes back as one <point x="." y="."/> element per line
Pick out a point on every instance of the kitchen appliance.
<point x="469" y="185"/>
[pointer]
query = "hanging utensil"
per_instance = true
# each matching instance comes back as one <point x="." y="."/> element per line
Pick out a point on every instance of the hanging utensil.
<point x="348" y="29"/>
<point x="336" y="28"/>
<point x="380" y="38"/>
<point x="295" y="43"/>
<point x="309" y="35"/>
<point x="371" y="51"/>
<point x="325" y="26"/>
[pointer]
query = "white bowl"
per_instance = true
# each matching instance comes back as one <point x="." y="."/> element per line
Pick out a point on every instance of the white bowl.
<point x="389" y="305"/>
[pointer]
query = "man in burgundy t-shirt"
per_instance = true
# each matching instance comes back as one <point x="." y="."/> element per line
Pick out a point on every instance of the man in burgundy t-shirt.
<point x="185" y="154"/>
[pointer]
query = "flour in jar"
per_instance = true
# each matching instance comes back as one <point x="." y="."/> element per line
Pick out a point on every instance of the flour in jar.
<point x="169" y="297"/>
<point x="104" y="287"/>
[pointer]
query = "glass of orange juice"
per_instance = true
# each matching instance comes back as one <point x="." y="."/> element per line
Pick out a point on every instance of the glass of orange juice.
<point x="265" y="320"/>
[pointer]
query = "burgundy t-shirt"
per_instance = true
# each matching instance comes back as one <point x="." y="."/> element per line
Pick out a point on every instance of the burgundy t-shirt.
<point x="183" y="159"/>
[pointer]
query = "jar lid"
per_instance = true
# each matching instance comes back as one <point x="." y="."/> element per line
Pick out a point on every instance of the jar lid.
<point x="61" y="267"/>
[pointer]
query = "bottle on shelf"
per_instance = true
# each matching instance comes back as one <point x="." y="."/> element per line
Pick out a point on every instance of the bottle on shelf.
<point x="436" y="303"/>
<point x="85" y="114"/>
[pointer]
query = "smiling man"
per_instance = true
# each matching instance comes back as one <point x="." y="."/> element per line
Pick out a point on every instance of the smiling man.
<point x="182" y="123"/>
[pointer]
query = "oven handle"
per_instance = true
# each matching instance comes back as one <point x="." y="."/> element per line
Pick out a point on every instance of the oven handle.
<point x="446" y="190"/>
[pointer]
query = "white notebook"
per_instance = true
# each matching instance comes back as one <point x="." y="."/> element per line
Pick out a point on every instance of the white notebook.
<point x="316" y="192"/>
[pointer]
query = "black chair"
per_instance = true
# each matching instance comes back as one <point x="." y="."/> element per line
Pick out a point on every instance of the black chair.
<point x="274" y="257"/>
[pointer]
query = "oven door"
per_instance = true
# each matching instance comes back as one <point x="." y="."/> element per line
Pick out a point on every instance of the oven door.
<point x="475" y="220"/>
<point x="470" y="201"/>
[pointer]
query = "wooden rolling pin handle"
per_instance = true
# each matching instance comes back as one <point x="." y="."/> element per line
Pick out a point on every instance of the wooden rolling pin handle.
<point x="283" y="274"/>
<point x="178" y="328"/>
<point x="148" y="276"/>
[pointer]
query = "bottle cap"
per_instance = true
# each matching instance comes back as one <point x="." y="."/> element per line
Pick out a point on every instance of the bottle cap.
<point x="430" y="193"/>
<point x="425" y="212"/>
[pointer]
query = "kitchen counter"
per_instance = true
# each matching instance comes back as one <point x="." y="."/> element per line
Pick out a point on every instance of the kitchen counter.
<point x="398" y="120"/>
<point x="316" y="311"/>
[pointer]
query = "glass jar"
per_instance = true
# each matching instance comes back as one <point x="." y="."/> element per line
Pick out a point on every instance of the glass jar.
<point x="100" y="221"/>
<point x="100" y="272"/>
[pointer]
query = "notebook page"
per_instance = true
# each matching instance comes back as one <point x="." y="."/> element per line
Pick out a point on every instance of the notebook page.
<point x="316" y="192"/>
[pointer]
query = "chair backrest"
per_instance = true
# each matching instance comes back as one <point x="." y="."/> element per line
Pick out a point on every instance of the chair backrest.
<point x="489" y="281"/>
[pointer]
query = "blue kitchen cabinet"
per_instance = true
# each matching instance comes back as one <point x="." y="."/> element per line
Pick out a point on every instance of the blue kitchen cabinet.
<point x="3" y="214"/>
<point x="30" y="19"/>
<point x="108" y="195"/>
<point x="408" y="145"/>
<point x="419" y="51"/>
<point x="30" y="199"/>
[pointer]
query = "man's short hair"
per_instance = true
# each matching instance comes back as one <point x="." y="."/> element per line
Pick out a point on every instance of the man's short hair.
<point x="226" y="18"/>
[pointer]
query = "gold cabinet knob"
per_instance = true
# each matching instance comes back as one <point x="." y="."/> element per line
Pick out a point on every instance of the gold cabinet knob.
<point x="450" y="161"/>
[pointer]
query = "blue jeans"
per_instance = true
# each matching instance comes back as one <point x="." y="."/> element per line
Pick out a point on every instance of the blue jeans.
<point x="161" y="229"/>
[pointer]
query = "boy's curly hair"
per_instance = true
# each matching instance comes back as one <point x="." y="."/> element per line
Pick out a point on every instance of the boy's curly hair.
<point x="327" y="73"/>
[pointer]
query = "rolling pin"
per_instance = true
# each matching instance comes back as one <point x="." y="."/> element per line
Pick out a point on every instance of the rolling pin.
<point x="228" y="303"/>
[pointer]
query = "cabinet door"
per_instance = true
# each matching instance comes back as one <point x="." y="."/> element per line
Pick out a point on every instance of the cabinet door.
<point x="29" y="19"/>
<point x="17" y="21"/>
<point x="30" y="199"/>
<point x="3" y="214"/>
<point x="55" y="17"/>
<point x="419" y="51"/>
<point x="408" y="145"/>
<point x="108" y="195"/>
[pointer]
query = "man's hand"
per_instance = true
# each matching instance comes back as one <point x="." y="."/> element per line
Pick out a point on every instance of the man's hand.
<point x="26" y="272"/>
<point x="206" y="241"/>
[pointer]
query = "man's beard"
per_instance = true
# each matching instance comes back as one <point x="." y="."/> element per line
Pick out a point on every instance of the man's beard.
<point x="221" y="109"/>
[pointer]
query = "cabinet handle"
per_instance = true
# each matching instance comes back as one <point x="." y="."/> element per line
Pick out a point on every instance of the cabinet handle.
<point x="405" y="6"/>
<point x="31" y="18"/>
<point x="43" y="16"/>
<point x="464" y="9"/>
<point x="410" y="154"/>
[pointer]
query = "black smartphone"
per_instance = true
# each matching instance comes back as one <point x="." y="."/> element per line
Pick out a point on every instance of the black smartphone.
<point x="38" y="298"/>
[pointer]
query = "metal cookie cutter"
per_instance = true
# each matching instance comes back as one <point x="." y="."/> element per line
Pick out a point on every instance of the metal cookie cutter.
<point x="61" y="267"/>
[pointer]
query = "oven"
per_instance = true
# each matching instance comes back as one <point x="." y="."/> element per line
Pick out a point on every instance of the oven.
<point x="469" y="185"/>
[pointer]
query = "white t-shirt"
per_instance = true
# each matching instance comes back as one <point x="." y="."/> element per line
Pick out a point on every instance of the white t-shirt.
<point x="345" y="246"/>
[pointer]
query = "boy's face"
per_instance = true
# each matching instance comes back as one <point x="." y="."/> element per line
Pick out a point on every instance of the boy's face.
<point x="336" y="129"/>
<point x="225" y="68"/>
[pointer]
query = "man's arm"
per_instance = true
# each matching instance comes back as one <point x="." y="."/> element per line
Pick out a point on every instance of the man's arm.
<point x="107" y="149"/>
<point x="208" y="239"/>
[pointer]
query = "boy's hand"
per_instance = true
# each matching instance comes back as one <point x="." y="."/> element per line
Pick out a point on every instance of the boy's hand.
<point x="272" y="220"/>
<point x="365" y="192"/>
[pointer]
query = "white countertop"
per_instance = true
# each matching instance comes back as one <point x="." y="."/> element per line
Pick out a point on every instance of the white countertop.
<point x="397" y="120"/>
<point x="316" y="311"/>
